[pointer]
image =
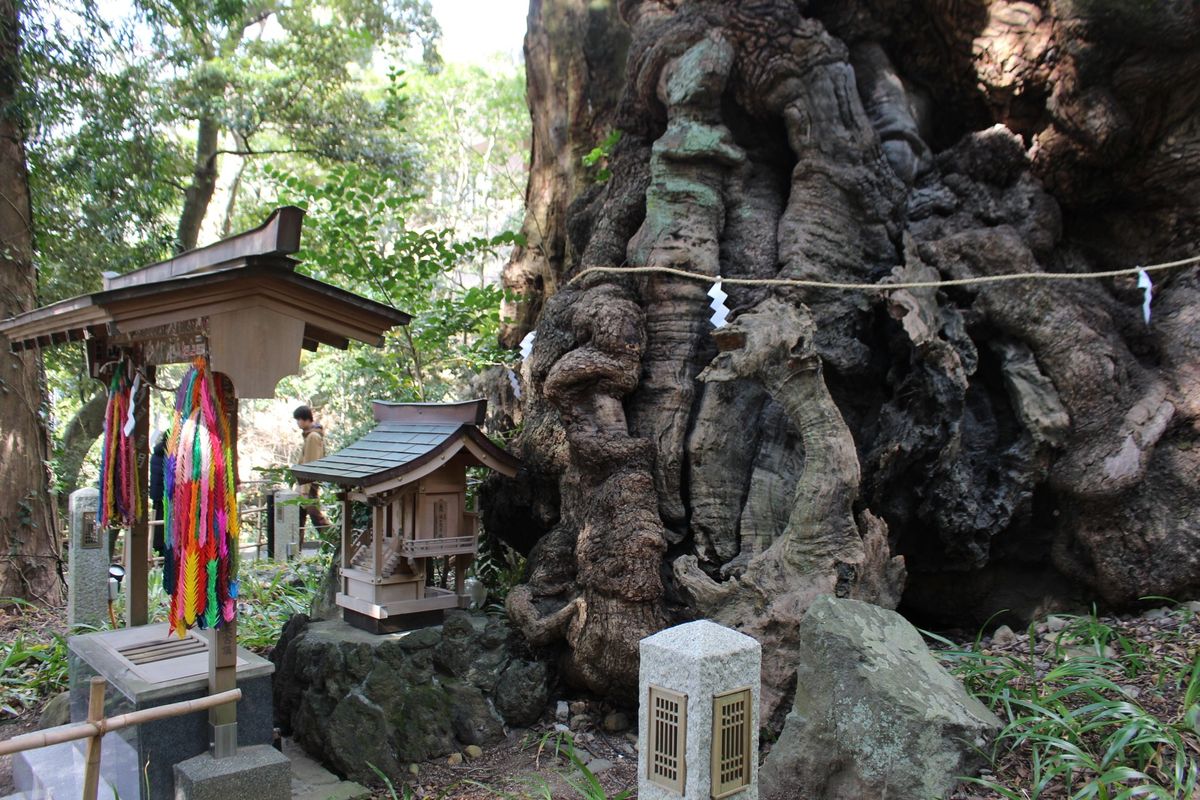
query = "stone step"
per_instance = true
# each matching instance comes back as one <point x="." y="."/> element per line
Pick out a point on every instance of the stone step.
<point x="311" y="781"/>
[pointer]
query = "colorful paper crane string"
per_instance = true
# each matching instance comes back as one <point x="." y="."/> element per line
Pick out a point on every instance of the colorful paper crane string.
<point x="200" y="506"/>
<point x="120" y="494"/>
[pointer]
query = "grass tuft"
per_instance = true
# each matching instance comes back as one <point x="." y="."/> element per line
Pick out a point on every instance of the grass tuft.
<point x="1075" y="727"/>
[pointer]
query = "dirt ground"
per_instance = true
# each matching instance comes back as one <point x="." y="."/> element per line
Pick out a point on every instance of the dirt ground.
<point x="526" y="765"/>
<point x="534" y="763"/>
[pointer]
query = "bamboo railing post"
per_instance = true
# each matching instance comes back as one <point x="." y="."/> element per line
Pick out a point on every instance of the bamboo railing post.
<point x="91" y="774"/>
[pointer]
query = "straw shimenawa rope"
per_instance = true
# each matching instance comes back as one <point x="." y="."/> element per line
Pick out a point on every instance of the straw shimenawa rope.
<point x="887" y="287"/>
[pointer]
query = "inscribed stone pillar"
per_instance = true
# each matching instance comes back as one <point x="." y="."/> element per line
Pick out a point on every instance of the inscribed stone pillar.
<point x="698" y="713"/>
<point x="87" y="580"/>
<point x="287" y="524"/>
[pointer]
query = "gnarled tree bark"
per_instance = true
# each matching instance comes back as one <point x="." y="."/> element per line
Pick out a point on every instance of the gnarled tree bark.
<point x="1017" y="445"/>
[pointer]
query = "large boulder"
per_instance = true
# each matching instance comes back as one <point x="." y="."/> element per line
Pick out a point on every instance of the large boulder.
<point x="875" y="715"/>
<point x="356" y="700"/>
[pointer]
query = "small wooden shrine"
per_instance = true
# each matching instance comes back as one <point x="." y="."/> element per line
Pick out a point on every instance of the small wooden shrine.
<point x="411" y="472"/>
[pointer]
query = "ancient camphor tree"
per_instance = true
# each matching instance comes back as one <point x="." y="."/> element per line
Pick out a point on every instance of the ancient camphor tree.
<point x="987" y="446"/>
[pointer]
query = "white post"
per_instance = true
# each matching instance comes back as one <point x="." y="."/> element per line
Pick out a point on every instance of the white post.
<point x="287" y="524"/>
<point x="87" y="580"/>
<point x="698" y="714"/>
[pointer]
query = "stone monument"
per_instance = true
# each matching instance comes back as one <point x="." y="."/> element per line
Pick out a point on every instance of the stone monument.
<point x="87" y="580"/>
<point x="287" y="525"/>
<point x="698" y="713"/>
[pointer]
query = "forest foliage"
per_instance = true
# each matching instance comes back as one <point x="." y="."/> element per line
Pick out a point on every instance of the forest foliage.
<point x="185" y="120"/>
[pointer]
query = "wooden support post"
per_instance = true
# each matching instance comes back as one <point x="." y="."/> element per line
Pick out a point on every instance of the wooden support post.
<point x="461" y="563"/>
<point x="222" y="643"/>
<point x="347" y="540"/>
<point x="137" y="546"/>
<point x="222" y="677"/>
<point x="91" y="774"/>
<point x="378" y="522"/>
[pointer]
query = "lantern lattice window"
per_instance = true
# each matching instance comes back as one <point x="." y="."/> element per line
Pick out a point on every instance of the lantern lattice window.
<point x="668" y="731"/>
<point x="731" y="743"/>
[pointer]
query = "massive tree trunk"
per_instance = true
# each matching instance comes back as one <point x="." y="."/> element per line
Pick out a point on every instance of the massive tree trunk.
<point x="994" y="445"/>
<point x="574" y="58"/>
<point x="29" y="557"/>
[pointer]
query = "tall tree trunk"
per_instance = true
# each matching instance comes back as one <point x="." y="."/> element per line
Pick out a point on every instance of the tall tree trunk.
<point x="199" y="194"/>
<point x="29" y="556"/>
<point x="1004" y="445"/>
<point x="574" y="51"/>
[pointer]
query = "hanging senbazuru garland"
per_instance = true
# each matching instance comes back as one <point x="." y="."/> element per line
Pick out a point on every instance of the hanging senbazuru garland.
<point x="200" y="506"/>
<point x="120" y="495"/>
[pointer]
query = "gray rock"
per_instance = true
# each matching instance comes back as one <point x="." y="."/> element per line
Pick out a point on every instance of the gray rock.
<point x="562" y="711"/>
<point x="472" y="718"/>
<point x="875" y="715"/>
<point x="1003" y="635"/>
<point x="57" y="711"/>
<point x="1056" y="623"/>
<point x="596" y="766"/>
<point x="324" y="603"/>
<point x="616" y="722"/>
<point x="522" y="692"/>
<point x="1157" y="613"/>
<point x="579" y="722"/>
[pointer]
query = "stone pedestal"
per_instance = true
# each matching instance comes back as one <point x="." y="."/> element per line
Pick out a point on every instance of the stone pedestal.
<point x="698" y="714"/>
<point x="260" y="772"/>
<point x="87" y="580"/>
<point x="287" y="525"/>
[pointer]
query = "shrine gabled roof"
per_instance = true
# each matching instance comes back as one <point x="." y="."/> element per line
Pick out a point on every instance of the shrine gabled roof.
<point x="243" y="273"/>
<point x="394" y="450"/>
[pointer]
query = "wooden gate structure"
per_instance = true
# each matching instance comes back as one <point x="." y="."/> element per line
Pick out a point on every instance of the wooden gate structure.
<point x="242" y="305"/>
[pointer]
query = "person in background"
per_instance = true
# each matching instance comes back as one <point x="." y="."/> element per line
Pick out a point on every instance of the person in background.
<point x="314" y="448"/>
<point x="158" y="531"/>
<point x="158" y="457"/>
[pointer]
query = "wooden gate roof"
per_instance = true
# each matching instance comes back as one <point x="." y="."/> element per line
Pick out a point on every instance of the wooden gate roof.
<point x="240" y="274"/>
<point x="240" y="301"/>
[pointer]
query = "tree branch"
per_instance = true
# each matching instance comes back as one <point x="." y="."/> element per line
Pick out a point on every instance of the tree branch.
<point x="247" y="153"/>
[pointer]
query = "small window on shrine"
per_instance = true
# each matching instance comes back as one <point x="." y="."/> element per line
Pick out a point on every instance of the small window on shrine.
<point x="731" y="743"/>
<point x="668" y="725"/>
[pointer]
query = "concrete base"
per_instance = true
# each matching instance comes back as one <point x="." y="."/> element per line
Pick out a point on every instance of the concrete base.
<point x="56" y="772"/>
<point x="261" y="772"/>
